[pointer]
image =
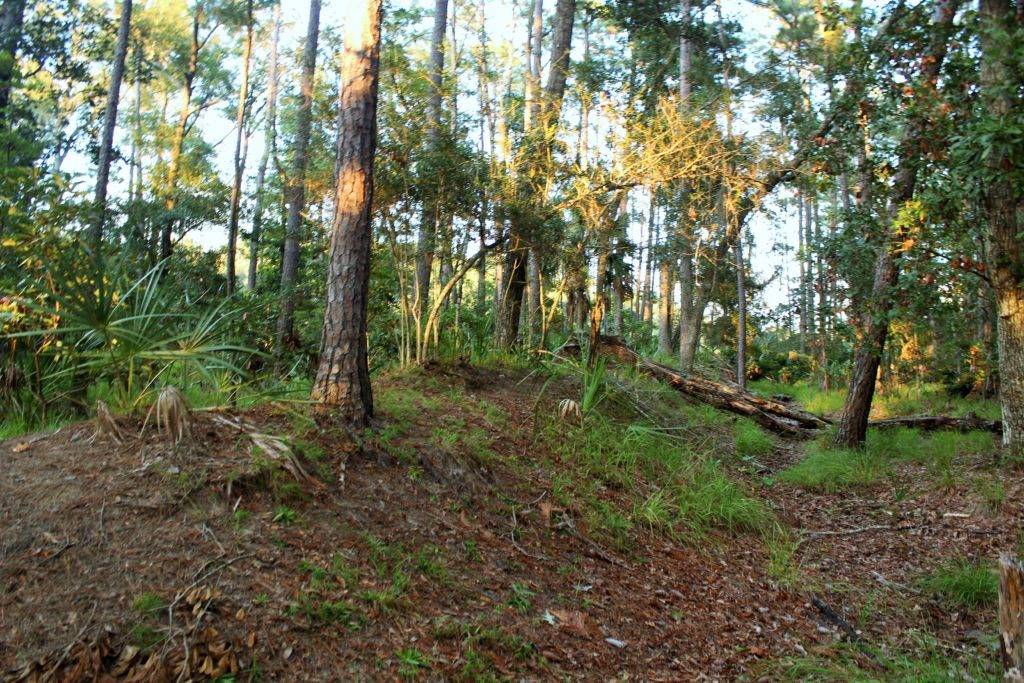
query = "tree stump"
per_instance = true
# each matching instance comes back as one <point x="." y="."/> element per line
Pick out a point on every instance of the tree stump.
<point x="1011" y="617"/>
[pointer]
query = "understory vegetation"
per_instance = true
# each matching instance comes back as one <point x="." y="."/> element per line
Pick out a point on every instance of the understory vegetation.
<point x="494" y="340"/>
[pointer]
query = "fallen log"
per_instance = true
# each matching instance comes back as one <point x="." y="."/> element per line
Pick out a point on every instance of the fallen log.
<point x="772" y="415"/>
<point x="936" y="422"/>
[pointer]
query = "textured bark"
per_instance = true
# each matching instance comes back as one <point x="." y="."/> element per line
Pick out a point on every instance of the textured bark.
<point x="178" y="141"/>
<point x="646" y="311"/>
<point x="269" y="150"/>
<point x="343" y="378"/>
<point x="12" y="19"/>
<point x="1011" y="618"/>
<point x="295" y="191"/>
<point x="110" y="124"/>
<point x="1004" y="248"/>
<point x="853" y="425"/>
<point x="241" y="146"/>
<point x="534" y="49"/>
<point x="426" y="244"/>
<point x="939" y="422"/>
<point x="665" y="306"/>
<point x="741" y="317"/>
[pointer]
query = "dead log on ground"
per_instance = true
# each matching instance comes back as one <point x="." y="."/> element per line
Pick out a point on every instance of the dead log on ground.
<point x="772" y="415"/>
<point x="935" y="422"/>
<point x="1011" y="617"/>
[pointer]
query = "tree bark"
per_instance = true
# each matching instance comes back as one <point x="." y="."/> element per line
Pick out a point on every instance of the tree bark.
<point x="343" y="378"/>
<point x="178" y="141"/>
<point x="12" y="20"/>
<point x="110" y="124"/>
<point x="427" y="239"/>
<point x="296" y="188"/>
<point x="507" y="324"/>
<point x="269" y="151"/>
<point x="241" y="146"/>
<point x="741" y="316"/>
<point x="1011" y="617"/>
<point x="1004" y="247"/>
<point x="853" y="425"/>
<point x="665" y="305"/>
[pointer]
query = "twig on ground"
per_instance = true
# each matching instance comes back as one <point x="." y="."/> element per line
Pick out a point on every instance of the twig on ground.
<point x="862" y="530"/>
<point x="835" y="618"/>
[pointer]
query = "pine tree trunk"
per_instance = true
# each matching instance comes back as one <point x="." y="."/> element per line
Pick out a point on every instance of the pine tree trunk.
<point x="741" y="317"/>
<point x="269" y="151"/>
<point x="241" y="145"/>
<point x="426" y="242"/>
<point x="343" y="377"/>
<point x="645" y="301"/>
<point x="853" y="425"/>
<point x="110" y="124"/>
<point x="665" y="306"/>
<point x="178" y="142"/>
<point x="1004" y="247"/>
<point x="296" y="188"/>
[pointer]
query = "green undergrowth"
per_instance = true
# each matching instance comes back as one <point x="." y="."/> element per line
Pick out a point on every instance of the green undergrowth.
<point x="922" y="658"/>
<point x="962" y="584"/>
<point x="945" y="456"/>
<point x="672" y="487"/>
<point x="899" y="401"/>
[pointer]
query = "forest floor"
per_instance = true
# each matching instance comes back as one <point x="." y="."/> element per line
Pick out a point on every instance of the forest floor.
<point x="476" y="535"/>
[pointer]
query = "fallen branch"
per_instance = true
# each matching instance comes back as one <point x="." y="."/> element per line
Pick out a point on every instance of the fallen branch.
<point x="770" y="414"/>
<point x="835" y="618"/>
<point x="863" y="530"/>
<point x="935" y="422"/>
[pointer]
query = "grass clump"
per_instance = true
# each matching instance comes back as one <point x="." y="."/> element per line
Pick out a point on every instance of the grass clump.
<point x="781" y="546"/>
<point x="673" y="489"/>
<point x="833" y="469"/>
<point x="962" y="584"/>
<point x="750" y="439"/>
<point x="148" y="603"/>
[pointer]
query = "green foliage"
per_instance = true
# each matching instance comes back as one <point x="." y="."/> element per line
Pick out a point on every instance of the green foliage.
<point x="148" y="603"/>
<point x="751" y="439"/>
<point x="962" y="584"/>
<point x="829" y="469"/>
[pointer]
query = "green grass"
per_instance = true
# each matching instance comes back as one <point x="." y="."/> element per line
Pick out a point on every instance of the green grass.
<point x="810" y="398"/>
<point x="944" y="454"/>
<point x="672" y="488"/>
<point x="781" y="546"/>
<point x="962" y="584"/>
<point x="751" y="441"/>
<point x="148" y="603"/>
<point x="924" y="659"/>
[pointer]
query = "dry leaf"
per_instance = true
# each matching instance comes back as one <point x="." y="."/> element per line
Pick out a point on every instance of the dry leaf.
<point x="21" y="447"/>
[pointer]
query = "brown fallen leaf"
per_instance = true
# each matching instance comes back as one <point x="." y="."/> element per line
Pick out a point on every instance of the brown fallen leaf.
<point x="21" y="447"/>
<point x="573" y="620"/>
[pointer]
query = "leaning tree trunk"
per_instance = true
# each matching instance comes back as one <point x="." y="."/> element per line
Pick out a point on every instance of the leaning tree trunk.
<point x="109" y="124"/>
<point x="241" y="145"/>
<point x="854" y="422"/>
<point x="296" y="189"/>
<point x="269" y="151"/>
<point x="507" y="325"/>
<point x="343" y="377"/>
<point x="1004" y="247"/>
<point x="178" y="142"/>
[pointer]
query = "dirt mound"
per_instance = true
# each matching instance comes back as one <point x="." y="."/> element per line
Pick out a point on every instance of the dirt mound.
<point x="144" y="559"/>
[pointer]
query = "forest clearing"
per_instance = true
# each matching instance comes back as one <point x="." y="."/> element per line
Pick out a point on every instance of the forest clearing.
<point x="511" y="340"/>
